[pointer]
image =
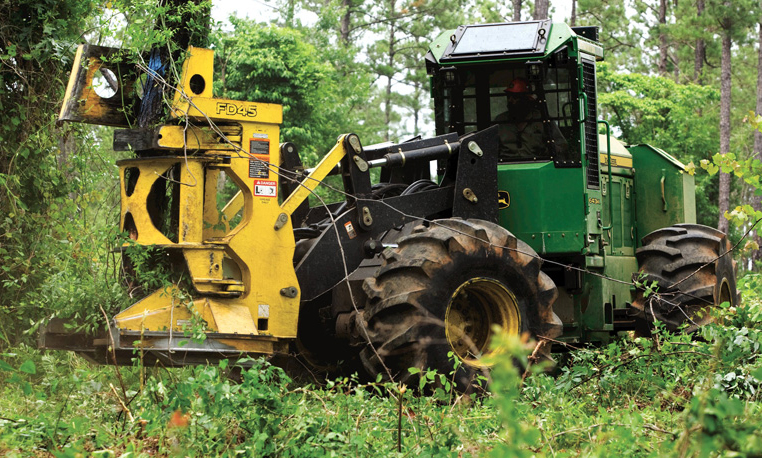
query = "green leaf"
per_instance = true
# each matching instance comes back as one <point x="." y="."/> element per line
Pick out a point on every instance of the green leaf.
<point x="757" y="373"/>
<point x="28" y="367"/>
<point x="5" y="366"/>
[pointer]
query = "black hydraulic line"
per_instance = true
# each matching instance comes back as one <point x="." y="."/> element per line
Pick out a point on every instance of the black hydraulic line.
<point x="401" y="158"/>
<point x="418" y="186"/>
<point x="383" y="190"/>
<point x="307" y="232"/>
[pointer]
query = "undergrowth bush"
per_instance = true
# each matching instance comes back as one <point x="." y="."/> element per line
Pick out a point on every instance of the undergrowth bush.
<point x="672" y="395"/>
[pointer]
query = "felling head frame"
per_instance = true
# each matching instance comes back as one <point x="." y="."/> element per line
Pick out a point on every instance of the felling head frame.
<point x="239" y="264"/>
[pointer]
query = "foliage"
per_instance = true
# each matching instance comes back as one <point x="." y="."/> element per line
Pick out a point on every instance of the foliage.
<point x="278" y="65"/>
<point x="620" y="39"/>
<point x="750" y="171"/>
<point x="672" y="395"/>
<point x="43" y="183"/>
<point x="681" y="119"/>
<point x="684" y="49"/>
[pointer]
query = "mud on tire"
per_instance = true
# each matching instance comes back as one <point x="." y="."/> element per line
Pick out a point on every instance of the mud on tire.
<point x="441" y="291"/>
<point x="687" y="262"/>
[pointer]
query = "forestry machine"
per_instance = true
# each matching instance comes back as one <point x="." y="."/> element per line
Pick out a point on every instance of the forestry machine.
<point x="535" y="221"/>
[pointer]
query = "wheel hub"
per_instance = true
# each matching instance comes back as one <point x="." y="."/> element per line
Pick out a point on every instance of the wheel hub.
<point x="475" y="307"/>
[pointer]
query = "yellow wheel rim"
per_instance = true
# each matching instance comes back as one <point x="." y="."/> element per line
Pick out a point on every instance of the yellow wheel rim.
<point x="475" y="307"/>
<point x="725" y="294"/>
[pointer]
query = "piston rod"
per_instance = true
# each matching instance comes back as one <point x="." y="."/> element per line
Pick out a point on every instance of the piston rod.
<point x="399" y="159"/>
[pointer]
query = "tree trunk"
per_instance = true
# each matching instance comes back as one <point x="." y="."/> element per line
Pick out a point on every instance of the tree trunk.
<point x="344" y="25"/>
<point x="67" y="147"/>
<point x="724" y="199"/>
<point x="516" y="10"/>
<point x="663" y="46"/>
<point x="390" y="76"/>
<point x="221" y="58"/>
<point x="676" y="70"/>
<point x="541" y="9"/>
<point x="700" y="55"/>
<point x="756" y="255"/>
<point x="573" y="20"/>
<point x="417" y="113"/>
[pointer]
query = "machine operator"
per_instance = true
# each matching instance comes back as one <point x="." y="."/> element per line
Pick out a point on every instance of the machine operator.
<point x="522" y="128"/>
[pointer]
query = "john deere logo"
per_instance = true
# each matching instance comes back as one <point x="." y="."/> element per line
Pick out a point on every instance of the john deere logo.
<point x="503" y="199"/>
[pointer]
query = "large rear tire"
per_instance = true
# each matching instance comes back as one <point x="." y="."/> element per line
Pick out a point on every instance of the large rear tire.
<point x="442" y="291"/>
<point x="693" y="274"/>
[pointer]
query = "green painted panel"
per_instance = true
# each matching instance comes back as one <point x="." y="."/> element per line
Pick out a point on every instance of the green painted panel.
<point x="619" y="268"/>
<point x="621" y="237"/>
<point x="616" y="221"/>
<point x="560" y="33"/>
<point x="439" y="45"/>
<point x="546" y="206"/>
<point x="602" y="295"/>
<point x="628" y="222"/>
<point x="656" y="170"/>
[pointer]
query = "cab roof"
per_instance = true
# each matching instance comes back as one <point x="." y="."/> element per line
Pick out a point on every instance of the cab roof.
<point x="507" y="40"/>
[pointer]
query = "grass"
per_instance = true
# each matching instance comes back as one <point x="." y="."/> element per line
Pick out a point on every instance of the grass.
<point x="667" y="396"/>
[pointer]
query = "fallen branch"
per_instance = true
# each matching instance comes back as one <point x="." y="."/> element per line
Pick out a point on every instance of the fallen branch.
<point x="534" y="358"/>
<point x="124" y="406"/>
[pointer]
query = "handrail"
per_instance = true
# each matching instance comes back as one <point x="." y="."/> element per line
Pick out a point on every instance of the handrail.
<point x="583" y="111"/>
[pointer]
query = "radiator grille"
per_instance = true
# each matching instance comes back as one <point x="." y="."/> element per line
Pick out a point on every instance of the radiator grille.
<point x="591" y="125"/>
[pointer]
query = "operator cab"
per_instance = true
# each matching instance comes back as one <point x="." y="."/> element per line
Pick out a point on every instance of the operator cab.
<point x="535" y="82"/>
<point x="474" y="86"/>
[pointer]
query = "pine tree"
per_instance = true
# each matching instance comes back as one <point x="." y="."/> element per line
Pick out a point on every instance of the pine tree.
<point x="756" y="255"/>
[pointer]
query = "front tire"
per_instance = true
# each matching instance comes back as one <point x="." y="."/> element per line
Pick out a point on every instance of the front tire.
<point x="694" y="272"/>
<point x="441" y="291"/>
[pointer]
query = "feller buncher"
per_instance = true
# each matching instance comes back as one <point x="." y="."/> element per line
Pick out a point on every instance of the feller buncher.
<point x="541" y="235"/>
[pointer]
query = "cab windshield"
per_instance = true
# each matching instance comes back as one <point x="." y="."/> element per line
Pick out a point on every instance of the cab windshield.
<point x="535" y="105"/>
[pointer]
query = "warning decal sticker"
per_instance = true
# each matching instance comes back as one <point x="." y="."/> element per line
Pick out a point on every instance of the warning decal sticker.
<point x="259" y="165"/>
<point x="265" y="188"/>
<point x="350" y="229"/>
<point x="259" y="146"/>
